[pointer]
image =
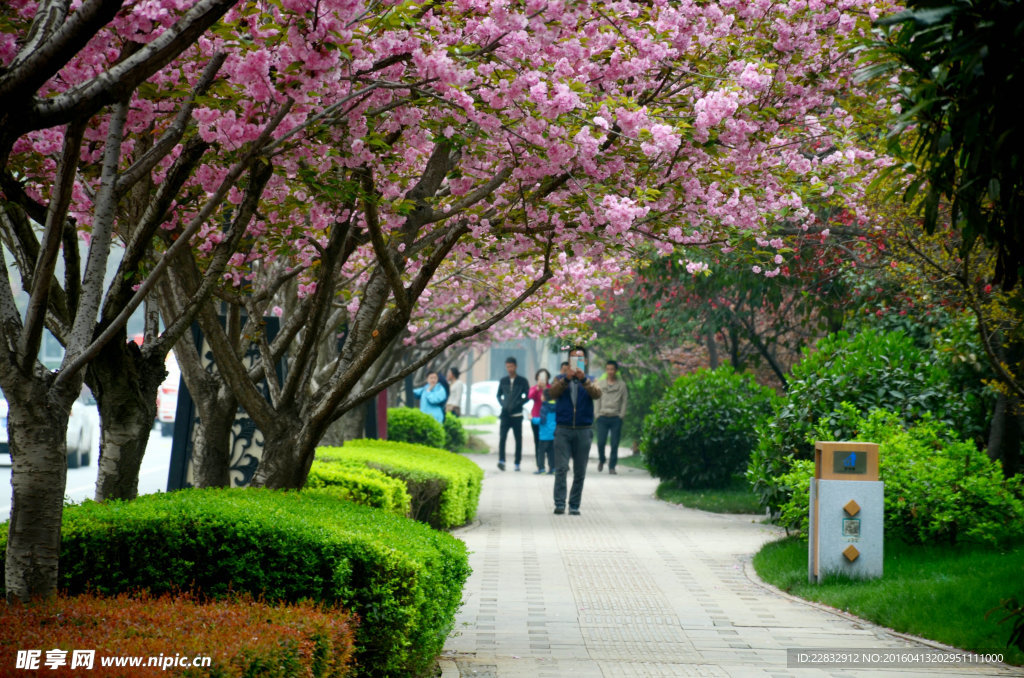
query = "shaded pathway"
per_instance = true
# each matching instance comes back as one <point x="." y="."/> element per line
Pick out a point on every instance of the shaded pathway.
<point x="633" y="587"/>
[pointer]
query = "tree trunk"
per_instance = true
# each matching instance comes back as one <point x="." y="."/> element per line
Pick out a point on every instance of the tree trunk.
<point x="1011" y="453"/>
<point x="997" y="429"/>
<point x="38" y="428"/>
<point x="1006" y="433"/>
<point x="348" y="427"/>
<point x="125" y="383"/>
<point x="709" y="339"/>
<point x="287" y="457"/>
<point x="734" y="349"/>
<point x="211" y="451"/>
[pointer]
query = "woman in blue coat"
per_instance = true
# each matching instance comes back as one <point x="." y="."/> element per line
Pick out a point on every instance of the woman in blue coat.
<point x="432" y="397"/>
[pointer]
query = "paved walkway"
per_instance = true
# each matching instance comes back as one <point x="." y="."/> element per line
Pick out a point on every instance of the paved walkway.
<point x="632" y="587"/>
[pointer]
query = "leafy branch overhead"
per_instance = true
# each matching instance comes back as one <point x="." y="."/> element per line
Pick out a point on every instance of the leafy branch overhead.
<point x="956" y="70"/>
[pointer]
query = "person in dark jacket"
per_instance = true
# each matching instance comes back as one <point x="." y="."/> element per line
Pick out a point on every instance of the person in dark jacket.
<point x="574" y="394"/>
<point x="513" y="394"/>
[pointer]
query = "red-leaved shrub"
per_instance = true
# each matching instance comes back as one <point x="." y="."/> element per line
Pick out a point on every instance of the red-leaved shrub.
<point x="242" y="637"/>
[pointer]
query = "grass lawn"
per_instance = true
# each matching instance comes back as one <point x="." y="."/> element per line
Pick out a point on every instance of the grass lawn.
<point x="634" y="461"/>
<point x="477" y="421"/>
<point x="737" y="498"/>
<point x="474" y="446"/>
<point x="939" y="593"/>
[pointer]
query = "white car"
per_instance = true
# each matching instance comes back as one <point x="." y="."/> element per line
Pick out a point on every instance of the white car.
<point x="167" y="396"/>
<point x="485" y="400"/>
<point x="5" y="447"/>
<point x="83" y="428"/>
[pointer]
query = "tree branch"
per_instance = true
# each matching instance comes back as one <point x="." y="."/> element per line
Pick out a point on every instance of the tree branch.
<point x="385" y="256"/>
<point x="361" y="364"/>
<point x="122" y="79"/>
<point x="173" y="134"/>
<point x="60" y="201"/>
<point x="139" y="244"/>
<point x="49" y="48"/>
<point x="85" y="315"/>
<point x="183" y="241"/>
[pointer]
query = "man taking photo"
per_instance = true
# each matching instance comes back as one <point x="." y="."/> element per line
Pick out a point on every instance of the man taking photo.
<point x="574" y="395"/>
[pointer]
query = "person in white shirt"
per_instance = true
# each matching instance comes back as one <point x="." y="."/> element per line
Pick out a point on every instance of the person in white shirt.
<point x="456" y="390"/>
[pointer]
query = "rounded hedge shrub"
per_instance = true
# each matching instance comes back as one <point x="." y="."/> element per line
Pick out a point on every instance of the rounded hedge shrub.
<point x="870" y="370"/>
<point x="701" y="433"/>
<point x="401" y="578"/>
<point x="444" y="487"/>
<point x="938" y="488"/>
<point x="361" y="484"/>
<point x="408" y="425"/>
<point x="455" y="434"/>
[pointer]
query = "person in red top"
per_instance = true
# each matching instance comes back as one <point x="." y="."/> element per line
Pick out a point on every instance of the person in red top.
<point x="542" y="377"/>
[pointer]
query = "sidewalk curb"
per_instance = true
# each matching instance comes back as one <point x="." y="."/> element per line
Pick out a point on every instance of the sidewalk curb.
<point x="449" y="669"/>
<point x="752" y="576"/>
<point x="468" y="527"/>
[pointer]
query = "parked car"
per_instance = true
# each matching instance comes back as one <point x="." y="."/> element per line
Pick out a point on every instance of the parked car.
<point x="83" y="429"/>
<point x="5" y="447"/>
<point x="167" y="396"/>
<point x="485" y="400"/>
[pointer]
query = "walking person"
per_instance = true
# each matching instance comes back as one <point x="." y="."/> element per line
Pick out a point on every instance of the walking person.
<point x="513" y="394"/>
<point x="455" y="392"/>
<point x="432" y="396"/>
<point x="610" y="412"/>
<point x="541" y="379"/>
<point x="574" y="416"/>
<point x="546" y="435"/>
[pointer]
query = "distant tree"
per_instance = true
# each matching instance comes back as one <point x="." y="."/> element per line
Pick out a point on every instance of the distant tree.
<point x="959" y="136"/>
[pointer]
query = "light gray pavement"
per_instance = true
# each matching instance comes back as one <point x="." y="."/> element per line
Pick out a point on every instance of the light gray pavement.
<point x="633" y="587"/>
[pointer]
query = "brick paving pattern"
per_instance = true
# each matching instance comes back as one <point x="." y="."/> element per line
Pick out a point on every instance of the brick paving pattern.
<point x="633" y="587"/>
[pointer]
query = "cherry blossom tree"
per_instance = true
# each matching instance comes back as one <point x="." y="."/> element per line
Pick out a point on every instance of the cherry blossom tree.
<point x="383" y="164"/>
<point x="65" y="91"/>
<point x="533" y="141"/>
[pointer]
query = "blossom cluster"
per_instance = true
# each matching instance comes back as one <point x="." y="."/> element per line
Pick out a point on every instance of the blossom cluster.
<point x="577" y="133"/>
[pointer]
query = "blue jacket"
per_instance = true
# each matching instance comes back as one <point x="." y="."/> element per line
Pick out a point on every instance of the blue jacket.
<point x="432" y="402"/>
<point x="546" y="429"/>
<point x="565" y="414"/>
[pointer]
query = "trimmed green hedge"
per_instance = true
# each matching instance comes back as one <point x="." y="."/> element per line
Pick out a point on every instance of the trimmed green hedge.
<point x="361" y="484"/>
<point x="403" y="579"/>
<point x="409" y="425"/>
<point x="445" y="487"/>
<point x="455" y="436"/>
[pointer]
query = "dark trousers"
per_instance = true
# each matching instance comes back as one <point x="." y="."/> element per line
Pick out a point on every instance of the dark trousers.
<point x="606" y="425"/>
<point x="546" y="454"/>
<point x="536" y="435"/>
<point x="571" y="443"/>
<point x="514" y="424"/>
